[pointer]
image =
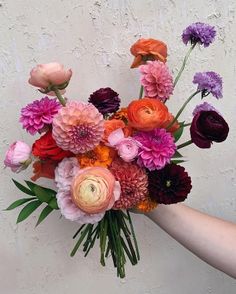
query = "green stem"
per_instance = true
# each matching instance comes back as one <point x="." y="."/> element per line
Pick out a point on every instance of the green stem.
<point x="141" y="92"/>
<point x="184" y="144"/>
<point x="59" y="96"/>
<point x="186" y="125"/>
<point x="182" y="108"/>
<point x="184" y="63"/>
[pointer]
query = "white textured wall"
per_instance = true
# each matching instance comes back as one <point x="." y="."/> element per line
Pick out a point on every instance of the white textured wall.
<point x="93" y="37"/>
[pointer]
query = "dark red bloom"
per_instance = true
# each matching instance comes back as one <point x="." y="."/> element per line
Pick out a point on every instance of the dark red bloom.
<point x="208" y="126"/>
<point x="44" y="169"/>
<point x="169" y="185"/>
<point x="105" y="100"/>
<point x="46" y="148"/>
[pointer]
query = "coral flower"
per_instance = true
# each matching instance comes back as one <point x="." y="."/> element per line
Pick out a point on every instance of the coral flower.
<point x="134" y="182"/>
<point x="115" y="124"/>
<point x="121" y="115"/>
<point x="147" y="114"/>
<point x="101" y="155"/>
<point x="44" y="169"/>
<point x="148" y="49"/>
<point x="78" y="127"/>
<point x="156" y="80"/>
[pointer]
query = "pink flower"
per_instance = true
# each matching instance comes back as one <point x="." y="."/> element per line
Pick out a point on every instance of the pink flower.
<point x="156" y="80"/>
<point x="49" y="74"/>
<point x="18" y="156"/>
<point x="157" y="148"/>
<point x="127" y="147"/>
<point x="36" y="116"/>
<point x="78" y="127"/>
<point x="65" y="172"/>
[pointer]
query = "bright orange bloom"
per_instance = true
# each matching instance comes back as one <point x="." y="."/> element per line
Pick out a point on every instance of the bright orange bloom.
<point x="44" y="169"/>
<point x="101" y="156"/>
<point x="114" y="124"/>
<point x="146" y="205"/>
<point x="147" y="114"/>
<point x="148" y="49"/>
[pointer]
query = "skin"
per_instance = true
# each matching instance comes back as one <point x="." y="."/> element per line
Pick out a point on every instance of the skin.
<point x="210" y="238"/>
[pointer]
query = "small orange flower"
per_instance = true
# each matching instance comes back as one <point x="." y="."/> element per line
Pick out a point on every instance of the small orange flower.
<point x="101" y="156"/>
<point x="147" y="114"/>
<point x="148" y="49"/>
<point x="121" y="115"/>
<point x="146" y="205"/>
<point x="44" y="169"/>
<point x="114" y="124"/>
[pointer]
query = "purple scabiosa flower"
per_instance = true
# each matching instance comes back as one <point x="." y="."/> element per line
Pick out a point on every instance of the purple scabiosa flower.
<point x="199" y="32"/>
<point x="105" y="100"/>
<point x="169" y="185"/>
<point x="157" y="148"/>
<point x="205" y="106"/>
<point x="209" y="82"/>
<point x="39" y="114"/>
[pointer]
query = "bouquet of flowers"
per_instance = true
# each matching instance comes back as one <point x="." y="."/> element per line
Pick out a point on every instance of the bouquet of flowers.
<point x="106" y="160"/>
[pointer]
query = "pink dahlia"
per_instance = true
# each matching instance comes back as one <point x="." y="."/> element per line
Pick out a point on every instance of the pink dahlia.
<point x="39" y="114"/>
<point x="157" y="148"/>
<point x="78" y="127"/>
<point x="156" y="80"/>
<point x="133" y="181"/>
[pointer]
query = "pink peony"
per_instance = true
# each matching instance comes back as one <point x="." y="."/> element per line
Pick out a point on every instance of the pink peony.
<point x="157" y="148"/>
<point x="49" y="74"/>
<point x="86" y="188"/>
<point x="127" y="147"/>
<point x="78" y="127"/>
<point x="156" y="80"/>
<point x="36" y="116"/>
<point x="18" y="156"/>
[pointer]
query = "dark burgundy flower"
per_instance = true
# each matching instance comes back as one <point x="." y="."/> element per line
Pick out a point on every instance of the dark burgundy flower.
<point x="169" y="185"/>
<point x="208" y="126"/>
<point x="105" y="100"/>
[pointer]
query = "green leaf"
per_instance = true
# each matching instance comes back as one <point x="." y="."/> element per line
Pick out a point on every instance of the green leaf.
<point x="45" y="212"/>
<point x="32" y="187"/>
<point x="177" y="134"/>
<point x="27" y="210"/>
<point x="177" y="155"/>
<point x="53" y="203"/>
<point x="19" y="202"/>
<point x="42" y="194"/>
<point x="23" y="188"/>
<point x="178" y="161"/>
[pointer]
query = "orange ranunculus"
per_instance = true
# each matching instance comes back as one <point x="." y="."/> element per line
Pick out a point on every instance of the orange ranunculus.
<point x="145" y="49"/>
<point x="114" y="124"/>
<point x="147" y="114"/>
<point x="101" y="155"/>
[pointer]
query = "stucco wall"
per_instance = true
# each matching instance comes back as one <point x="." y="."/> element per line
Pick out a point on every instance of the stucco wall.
<point x="93" y="37"/>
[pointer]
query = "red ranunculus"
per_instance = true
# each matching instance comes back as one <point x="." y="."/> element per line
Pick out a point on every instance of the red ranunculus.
<point x="208" y="126"/>
<point x="46" y="148"/>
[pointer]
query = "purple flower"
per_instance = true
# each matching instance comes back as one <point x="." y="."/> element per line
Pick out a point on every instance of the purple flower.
<point x="199" y="32"/>
<point x="209" y="82"/>
<point x="38" y="114"/>
<point x="105" y="100"/>
<point x="204" y="107"/>
<point x="157" y="148"/>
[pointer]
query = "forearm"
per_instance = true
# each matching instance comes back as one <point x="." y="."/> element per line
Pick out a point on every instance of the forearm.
<point x="210" y="238"/>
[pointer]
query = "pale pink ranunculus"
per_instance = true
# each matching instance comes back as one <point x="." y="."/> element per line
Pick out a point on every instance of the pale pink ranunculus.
<point x="95" y="190"/>
<point x="18" y="156"/>
<point x="48" y="74"/>
<point x="127" y="147"/>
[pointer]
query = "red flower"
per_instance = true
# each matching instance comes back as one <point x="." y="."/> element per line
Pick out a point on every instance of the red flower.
<point x="46" y="148"/>
<point x="44" y="169"/>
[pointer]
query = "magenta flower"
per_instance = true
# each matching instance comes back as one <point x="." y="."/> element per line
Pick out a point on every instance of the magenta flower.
<point x="156" y="80"/>
<point x="39" y="114"/>
<point x="157" y="148"/>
